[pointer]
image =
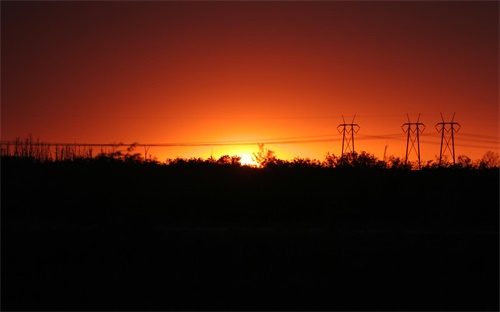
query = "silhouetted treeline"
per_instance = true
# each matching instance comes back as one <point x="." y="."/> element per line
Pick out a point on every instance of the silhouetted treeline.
<point x="115" y="232"/>
<point x="206" y="190"/>
<point x="44" y="152"/>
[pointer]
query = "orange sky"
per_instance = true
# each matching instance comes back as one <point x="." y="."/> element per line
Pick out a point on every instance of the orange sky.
<point x="183" y="72"/>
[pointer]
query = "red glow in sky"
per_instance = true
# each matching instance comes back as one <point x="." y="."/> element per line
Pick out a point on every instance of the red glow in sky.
<point x="181" y="72"/>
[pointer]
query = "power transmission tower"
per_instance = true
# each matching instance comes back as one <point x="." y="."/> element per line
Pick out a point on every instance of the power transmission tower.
<point x="449" y="128"/>
<point x="350" y="130"/>
<point x="413" y="129"/>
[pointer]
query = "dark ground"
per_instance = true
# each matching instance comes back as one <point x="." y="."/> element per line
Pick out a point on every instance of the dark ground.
<point x="114" y="236"/>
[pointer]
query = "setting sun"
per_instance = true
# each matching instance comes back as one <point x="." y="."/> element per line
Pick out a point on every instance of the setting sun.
<point x="247" y="160"/>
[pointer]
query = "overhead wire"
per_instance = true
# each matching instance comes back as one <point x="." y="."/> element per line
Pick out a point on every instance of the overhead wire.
<point x="281" y="140"/>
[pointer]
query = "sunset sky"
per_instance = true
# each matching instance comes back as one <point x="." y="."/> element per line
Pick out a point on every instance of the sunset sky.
<point x="229" y="73"/>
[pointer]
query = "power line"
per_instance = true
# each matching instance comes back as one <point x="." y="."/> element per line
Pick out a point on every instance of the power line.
<point x="190" y="144"/>
<point x="280" y="140"/>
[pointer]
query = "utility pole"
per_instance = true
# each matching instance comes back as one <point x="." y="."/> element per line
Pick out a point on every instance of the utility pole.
<point x="449" y="128"/>
<point x="413" y="129"/>
<point x="350" y="130"/>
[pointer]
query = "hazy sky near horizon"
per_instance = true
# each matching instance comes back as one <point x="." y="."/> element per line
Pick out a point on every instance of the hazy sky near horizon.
<point x="281" y="73"/>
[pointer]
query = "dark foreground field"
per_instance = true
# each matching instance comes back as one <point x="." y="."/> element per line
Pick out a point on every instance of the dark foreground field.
<point x="116" y="236"/>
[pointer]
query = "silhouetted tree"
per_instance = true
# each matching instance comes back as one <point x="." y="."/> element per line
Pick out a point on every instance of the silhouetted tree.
<point x="176" y="161"/>
<point x="264" y="157"/>
<point x="394" y="162"/>
<point x="490" y="160"/>
<point x="229" y="160"/>
<point x="224" y="160"/>
<point x="346" y="160"/>
<point x="330" y="161"/>
<point x="236" y="160"/>
<point x="305" y="163"/>
<point x="367" y="160"/>
<point x="464" y="162"/>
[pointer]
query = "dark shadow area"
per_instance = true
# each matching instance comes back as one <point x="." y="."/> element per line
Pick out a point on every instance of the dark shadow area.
<point x="102" y="234"/>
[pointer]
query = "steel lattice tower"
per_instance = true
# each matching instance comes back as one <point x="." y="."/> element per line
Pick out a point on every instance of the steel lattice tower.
<point x="350" y="130"/>
<point x="413" y="129"/>
<point x="449" y="128"/>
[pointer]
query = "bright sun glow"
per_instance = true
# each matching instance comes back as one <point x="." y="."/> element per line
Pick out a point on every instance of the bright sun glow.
<point x="246" y="160"/>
